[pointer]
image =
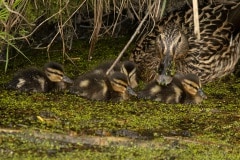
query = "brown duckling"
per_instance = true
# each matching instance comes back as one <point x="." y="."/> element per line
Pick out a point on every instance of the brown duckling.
<point x="183" y="88"/>
<point x="100" y="87"/>
<point x="34" y="80"/>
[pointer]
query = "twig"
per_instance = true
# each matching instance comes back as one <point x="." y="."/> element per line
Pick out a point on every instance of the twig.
<point x="130" y="41"/>
<point x="65" y="22"/>
<point x="163" y="8"/>
<point x="35" y="29"/>
<point x="18" y="14"/>
<point x="118" y="16"/>
<point x="135" y="13"/>
<point x="98" y="12"/>
<point x="196" y="19"/>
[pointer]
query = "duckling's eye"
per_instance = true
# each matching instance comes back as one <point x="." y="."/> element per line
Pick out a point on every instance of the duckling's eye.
<point x="118" y="86"/>
<point x="180" y="39"/>
<point x="54" y="75"/>
<point x="190" y="87"/>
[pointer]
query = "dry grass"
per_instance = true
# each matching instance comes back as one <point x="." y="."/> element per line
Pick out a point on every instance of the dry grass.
<point x="22" y="19"/>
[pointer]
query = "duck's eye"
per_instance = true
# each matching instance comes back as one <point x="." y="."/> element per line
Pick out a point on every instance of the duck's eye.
<point x="180" y="40"/>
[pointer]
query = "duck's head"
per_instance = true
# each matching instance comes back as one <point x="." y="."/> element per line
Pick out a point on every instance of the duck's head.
<point x="55" y="73"/>
<point x="171" y="44"/>
<point x="129" y="68"/>
<point x="192" y="86"/>
<point x="119" y="83"/>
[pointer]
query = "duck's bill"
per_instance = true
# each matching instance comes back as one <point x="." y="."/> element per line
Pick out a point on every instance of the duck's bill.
<point x="168" y="66"/>
<point x="67" y="80"/>
<point x="167" y="71"/>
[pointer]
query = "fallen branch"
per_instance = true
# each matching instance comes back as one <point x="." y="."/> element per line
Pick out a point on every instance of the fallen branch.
<point x="105" y="141"/>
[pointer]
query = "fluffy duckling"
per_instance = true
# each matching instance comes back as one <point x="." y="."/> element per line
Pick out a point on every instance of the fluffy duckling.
<point x="183" y="88"/>
<point x="33" y="80"/>
<point x="127" y="67"/>
<point x="94" y="86"/>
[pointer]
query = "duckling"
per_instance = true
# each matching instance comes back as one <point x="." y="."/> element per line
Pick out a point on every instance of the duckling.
<point x="127" y="67"/>
<point x="121" y="88"/>
<point x="183" y="88"/>
<point x="100" y="87"/>
<point x="34" y="80"/>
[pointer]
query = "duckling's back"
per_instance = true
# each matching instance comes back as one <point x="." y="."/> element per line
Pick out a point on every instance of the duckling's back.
<point x="184" y="88"/>
<point x="91" y="86"/>
<point x="170" y="93"/>
<point x="30" y="80"/>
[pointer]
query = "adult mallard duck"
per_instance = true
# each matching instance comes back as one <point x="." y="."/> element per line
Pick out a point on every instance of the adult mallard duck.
<point x="184" y="88"/>
<point x="34" y="80"/>
<point x="173" y="47"/>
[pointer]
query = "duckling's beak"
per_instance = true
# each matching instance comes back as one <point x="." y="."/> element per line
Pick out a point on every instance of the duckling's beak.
<point x="202" y="94"/>
<point x="66" y="79"/>
<point x="131" y="91"/>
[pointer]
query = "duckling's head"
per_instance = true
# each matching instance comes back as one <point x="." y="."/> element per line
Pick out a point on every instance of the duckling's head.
<point x="55" y="73"/>
<point x="192" y="86"/>
<point x="119" y="83"/>
<point x="129" y="68"/>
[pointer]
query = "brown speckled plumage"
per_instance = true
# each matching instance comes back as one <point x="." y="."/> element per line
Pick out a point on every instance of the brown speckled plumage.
<point x="213" y="56"/>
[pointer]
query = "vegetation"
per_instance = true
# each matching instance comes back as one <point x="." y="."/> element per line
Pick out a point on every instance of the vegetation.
<point x="61" y="125"/>
<point x="64" y="126"/>
<point x="41" y="23"/>
<point x="38" y="24"/>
